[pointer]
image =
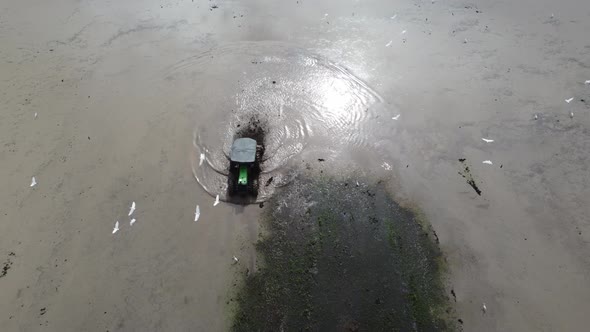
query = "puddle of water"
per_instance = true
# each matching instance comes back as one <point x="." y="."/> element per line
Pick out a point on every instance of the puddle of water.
<point x="302" y="100"/>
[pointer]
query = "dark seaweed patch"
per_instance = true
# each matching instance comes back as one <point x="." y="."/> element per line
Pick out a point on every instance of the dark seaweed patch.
<point x="343" y="258"/>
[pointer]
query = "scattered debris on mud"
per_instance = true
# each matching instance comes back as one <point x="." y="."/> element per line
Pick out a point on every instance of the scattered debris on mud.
<point x="466" y="174"/>
<point x="6" y="265"/>
<point x="343" y="258"/>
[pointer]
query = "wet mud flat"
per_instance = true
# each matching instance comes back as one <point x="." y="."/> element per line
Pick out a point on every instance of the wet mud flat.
<point x="339" y="255"/>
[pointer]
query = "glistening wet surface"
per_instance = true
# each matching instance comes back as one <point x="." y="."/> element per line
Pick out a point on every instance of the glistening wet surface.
<point x="102" y="101"/>
<point x="299" y="99"/>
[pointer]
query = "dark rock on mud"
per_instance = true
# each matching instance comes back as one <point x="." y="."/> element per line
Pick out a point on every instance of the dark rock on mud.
<point x="337" y="258"/>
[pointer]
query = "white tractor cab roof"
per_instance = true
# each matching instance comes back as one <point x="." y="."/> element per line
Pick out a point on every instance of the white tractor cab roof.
<point x="243" y="150"/>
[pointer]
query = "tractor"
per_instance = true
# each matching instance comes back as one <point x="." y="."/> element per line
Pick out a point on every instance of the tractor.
<point x="244" y="168"/>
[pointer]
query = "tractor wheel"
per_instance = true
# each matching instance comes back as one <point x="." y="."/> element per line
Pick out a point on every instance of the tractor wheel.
<point x="232" y="185"/>
<point x="254" y="187"/>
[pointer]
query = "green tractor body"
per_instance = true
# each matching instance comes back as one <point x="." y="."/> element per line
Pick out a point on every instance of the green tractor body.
<point x="243" y="175"/>
<point x="244" y="168"/>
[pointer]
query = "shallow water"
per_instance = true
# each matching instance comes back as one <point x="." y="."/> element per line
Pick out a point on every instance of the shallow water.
<point x="303" y="101"/>
<point x="128" y="92"/>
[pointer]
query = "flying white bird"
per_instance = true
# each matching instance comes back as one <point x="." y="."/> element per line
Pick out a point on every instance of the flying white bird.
<point x="396" y="117"/>
<point x="197" y="213"/>
<point x="33" y="182"/>
<point x="569" y="100"/>
<point x="489" y="162"/>
<point x="116" y="229"/>
<point x="132" y="209"/>
<point x="487" y="140"/>
<point x="131" y="222"/>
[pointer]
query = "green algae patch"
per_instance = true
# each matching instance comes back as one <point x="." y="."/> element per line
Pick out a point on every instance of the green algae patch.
<point x="337" y="256"/>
